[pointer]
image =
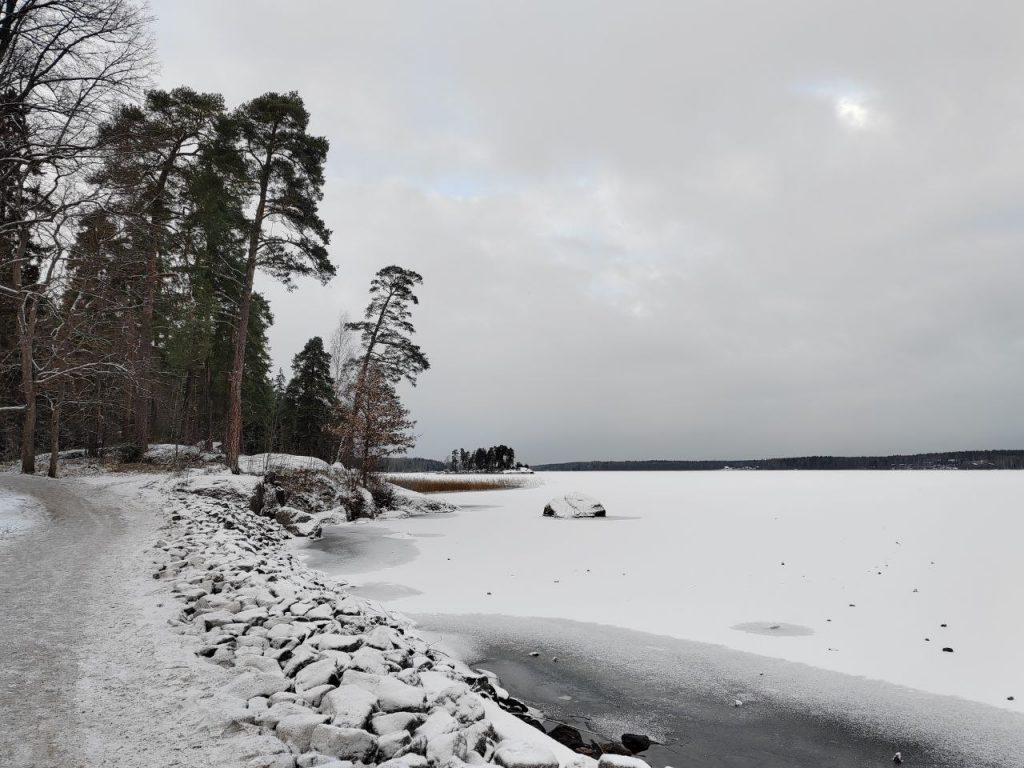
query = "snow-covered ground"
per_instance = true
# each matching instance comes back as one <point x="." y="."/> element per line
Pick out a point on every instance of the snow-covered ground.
<point x="259" y="463"/>
<point x="865" y="573"/>
<point x="18" y="512"/>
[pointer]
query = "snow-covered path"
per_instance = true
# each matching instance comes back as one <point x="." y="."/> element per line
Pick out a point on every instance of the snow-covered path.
<point x="92" y="675"/>
<point x="47" y="579"/>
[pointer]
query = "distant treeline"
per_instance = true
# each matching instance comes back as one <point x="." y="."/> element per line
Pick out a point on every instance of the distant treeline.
<point x="411" y="464"/>
<point x="1009" y="459"/>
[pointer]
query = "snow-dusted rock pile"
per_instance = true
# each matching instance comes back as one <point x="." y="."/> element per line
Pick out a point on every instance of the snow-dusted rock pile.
<point x="340" y="681"/>
<point x="574" y="505"/>
<point x="406" y="503"/>
<point x="172" y="455"/>
<point x="303" y="501"/>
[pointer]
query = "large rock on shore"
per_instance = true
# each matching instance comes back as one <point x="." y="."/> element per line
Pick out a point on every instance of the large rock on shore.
<point x="574" y="505"/>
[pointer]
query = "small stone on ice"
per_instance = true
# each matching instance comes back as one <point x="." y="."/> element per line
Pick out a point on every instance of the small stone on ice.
<point x="737" y="703"/>
<point x="534" y="653"/>
<point x="947" y="649"/>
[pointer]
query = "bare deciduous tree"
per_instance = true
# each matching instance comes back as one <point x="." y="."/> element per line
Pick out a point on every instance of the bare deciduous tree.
<point x="343" y="349"/>
<point x="64" y="64"/>
<point x="380" y="428"/>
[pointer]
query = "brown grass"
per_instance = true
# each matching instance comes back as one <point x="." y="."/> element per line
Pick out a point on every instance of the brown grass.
<point x="458" y="483"/>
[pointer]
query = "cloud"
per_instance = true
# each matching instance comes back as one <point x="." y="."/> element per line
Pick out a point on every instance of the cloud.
<point x="639" y="238"/>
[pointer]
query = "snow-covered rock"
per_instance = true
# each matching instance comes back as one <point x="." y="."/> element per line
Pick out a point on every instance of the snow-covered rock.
<point x="574" y="505"/>
<point x="348" y="705"/>
<point x="297" y="730"/>
<point x="390" y="744"/>
<point x="347" y="743"/>
<point x="407" y="503"/>
<point x="261" y="463"/>
<point x="395" y="696"/>
<point x="621" y="761"/>
<point x="396" y="721"/>
<point x="409" y="760"/>
<point x="334" y="642"/>
<point x="250" y="684"/>
<point x="522" y="754"/>
<point x="437" y="723"/>
<point x="444" y="747"/>
<point x="316" y="674"/>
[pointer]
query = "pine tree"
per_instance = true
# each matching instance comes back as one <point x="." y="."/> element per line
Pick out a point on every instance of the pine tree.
<point x="151" y="152"/>
<point x="309" y="401"/>
<point x="280" y="169"/>
<point x="386" y="330"/>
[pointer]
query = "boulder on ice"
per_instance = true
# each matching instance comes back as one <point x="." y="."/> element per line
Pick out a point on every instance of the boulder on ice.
<point x="574" y="505"/>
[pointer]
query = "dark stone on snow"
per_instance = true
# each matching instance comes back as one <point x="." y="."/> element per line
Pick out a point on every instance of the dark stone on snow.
<point x="256" y="500"/>
<point x="611" y="748"/>
<point x="947" y="649"/>
<point x="567" y="735"/>
<point x="635" y="742"/>
<point x="531" y="721"/>
<point x="515" y="706"/>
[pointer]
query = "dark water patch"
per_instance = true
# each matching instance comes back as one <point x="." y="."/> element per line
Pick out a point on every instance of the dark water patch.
<point x="610" y="681"/>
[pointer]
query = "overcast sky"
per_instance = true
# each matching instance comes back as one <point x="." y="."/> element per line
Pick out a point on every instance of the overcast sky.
<point x="663" y="230"/>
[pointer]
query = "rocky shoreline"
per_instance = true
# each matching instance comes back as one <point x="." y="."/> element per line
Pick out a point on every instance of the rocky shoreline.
<point x="335" y="679"/>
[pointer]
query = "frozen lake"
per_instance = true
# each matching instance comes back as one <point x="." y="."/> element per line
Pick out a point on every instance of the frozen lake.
<point x="868" y="574"/>
<point x="868" y="566"/>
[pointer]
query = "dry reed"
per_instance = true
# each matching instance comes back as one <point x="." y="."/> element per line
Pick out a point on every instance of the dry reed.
<point x="457" y="483"/>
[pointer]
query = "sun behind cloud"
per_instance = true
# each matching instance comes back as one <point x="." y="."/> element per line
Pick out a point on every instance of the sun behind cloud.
<point x="853" y="113"/>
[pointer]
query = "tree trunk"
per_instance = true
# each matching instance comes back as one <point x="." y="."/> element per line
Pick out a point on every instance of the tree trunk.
<point x="208" y="406"/>
<point x="28" y="422"/>
<point x="96" y="436"/>
<point x="54" y="435"/>
<point x="186" y="422"/>
<point x="233" y="430"/>
<point x="144" y="395"/>
<point x="26" y="332"/>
